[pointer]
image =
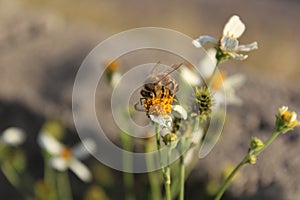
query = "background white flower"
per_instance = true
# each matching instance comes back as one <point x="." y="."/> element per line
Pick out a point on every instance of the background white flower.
<point x="63" y="157"/>
<point x="13" y="136"/>
<point x="190" y="76"/>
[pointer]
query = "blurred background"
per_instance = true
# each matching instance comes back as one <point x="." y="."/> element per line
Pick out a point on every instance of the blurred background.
<point x="42" y="44"/>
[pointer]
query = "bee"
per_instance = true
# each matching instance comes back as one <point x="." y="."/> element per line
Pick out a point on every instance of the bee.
<point x="159" y="85"/>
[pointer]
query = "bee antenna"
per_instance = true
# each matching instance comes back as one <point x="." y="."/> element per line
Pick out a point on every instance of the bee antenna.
<point x="173" y="68"/>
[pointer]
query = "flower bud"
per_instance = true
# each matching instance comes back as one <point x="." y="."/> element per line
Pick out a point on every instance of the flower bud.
<point x="203" y="105"/>
<point x="256" y="144"/>
<point x="170" y="139"/>
<point x="252" y="159"/>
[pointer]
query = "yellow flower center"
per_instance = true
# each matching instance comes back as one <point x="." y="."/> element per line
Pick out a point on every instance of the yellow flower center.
<point x="159" y="105"/>
<point x="113" y="66"/>
<point x="66" y="153"/>
<point x="290" y="118"/>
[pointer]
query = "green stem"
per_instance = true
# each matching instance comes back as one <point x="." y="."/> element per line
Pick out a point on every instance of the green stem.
<point x="243" y="162"/>
<point x="50" y="178"/>
<point x="153" y="177"/>
<point x="167" y="180"/>
<point x="11" y="175"/>
<point x="176" y="183"/>
<point x="268" y="142"/>
<point x="182" y="172"/>
<point x="63" y="186"/>
<point x="165" y="170"/>
<point x="227" y="181"/>
<point x="213" y="75"/>
<point x="128" y="178"/>
<point x="167" y="176"/>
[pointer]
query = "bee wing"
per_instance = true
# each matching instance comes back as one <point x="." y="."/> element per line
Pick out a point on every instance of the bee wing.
<point x="155" y="69"/>
<point x="170" y="70"/>
<point x="156" y="76"/>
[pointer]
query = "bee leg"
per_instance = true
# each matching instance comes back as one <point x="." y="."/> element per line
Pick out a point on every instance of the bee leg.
<point x="138" y="107"/>
<point x="162" y="92"/>
<point x="142" y="100"/>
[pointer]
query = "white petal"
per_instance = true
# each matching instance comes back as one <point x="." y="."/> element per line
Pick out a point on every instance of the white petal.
<point x="197" y="135"/>
<point x="230" y="85"/>
<point x="219" y="98"/>
<point x="233" y="82"/>
<point x="181" y="111"/>
<point x="59" y="163"/>
<point x="282" y="110"/>
<point x="116" y="77"/>
<point x="197" y="43"/>
<point x="80" y="170"/>
<point x="248" y="47"/>
<point x="13" y="136"/>
<point x="208" y="63"/>
<point x="234" y="27"/>
<point x="189" y="76"/>
<point x="165" y="121"/>
<point x="293" y="117"/>
<point x="83" y="150"/>
<point x="49" y="143"/>
<point x="204" y="39"/>
<point x="237" y="56"/>
<point x="232" y="99"/>
<point x="229" y="44"/>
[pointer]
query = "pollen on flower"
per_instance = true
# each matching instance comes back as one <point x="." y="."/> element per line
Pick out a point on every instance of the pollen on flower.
<point x="66" y="153"/>
<point x="290" y="117"/>
<point x="159" y="105"/>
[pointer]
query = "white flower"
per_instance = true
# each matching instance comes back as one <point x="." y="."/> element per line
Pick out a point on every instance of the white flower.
<point x="63" y="157"/>
<point x="162" y="120"/>
<point x="228" y="43"/>
<point x="166" y="120"/>
<point x="230" y="84"/>
<point x="13" y="136"/>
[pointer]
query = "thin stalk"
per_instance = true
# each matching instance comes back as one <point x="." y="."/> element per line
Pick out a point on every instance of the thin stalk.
<point x="11" y="175"/>
<point x="177" y="183"/>
<point x="63" y="186"/>
<point x="182" y="178"/>
<point x="167" y="180"/>
<point x="50" y="178"/>
<point x="268" y="142"/>
<point x="153" y="177"/>
<point x="165" y="170"/>
<point x="167" y="176"/>
<point x="243" y="162"/>
<point x="229" y="178"/>
<point x="213" y="75"/>
<point x="128" y="178"/>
